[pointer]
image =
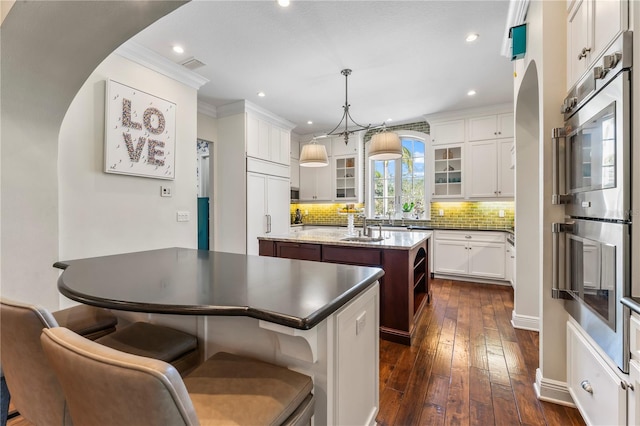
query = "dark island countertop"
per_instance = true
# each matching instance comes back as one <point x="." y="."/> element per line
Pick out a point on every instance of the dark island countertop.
<point x="292" y="293"/>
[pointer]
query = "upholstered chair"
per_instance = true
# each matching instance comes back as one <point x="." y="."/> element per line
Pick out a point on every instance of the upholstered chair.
<point x="105" y="386"/>
<point x="35" y="391"/>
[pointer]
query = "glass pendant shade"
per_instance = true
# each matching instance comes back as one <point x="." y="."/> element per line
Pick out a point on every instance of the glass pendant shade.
<point x="385" y="146"/>
<point x="314" y="155"/>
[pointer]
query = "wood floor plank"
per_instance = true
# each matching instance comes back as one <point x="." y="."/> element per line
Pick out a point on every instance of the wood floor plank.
<point x="400" y="375"/>
<point x="416" y="390"/>
<point x="498" y="371"/>
<point x="457" y="409"/>
<point x="442" y="361"/>
<point x="529" y="409"/>
<point x="479" y="386"/>
<point x="389" y="405"/>
<point x="481" y="414"/>
<point x="431" y="415"/>
<point x="504" y="405"/>
<point x="514" y="358"/>
<point x="385" y="372"/>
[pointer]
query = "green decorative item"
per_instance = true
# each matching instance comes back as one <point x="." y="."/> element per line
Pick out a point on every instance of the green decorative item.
<point x="407" y="207"/>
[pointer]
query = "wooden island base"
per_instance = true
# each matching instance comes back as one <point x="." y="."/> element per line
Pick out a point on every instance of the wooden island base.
<point x="404" y="288"/>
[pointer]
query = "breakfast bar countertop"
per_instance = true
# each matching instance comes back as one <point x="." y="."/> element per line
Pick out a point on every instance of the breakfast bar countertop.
<point x="390" y="239"/>
<point x="292" y="293"/>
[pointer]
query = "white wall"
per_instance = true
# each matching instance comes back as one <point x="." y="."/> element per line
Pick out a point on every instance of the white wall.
<point x="546" y="47"/>
<point x="104" y="213"/>
<point x="207" y="127"/>
<point x="48" y="51"/>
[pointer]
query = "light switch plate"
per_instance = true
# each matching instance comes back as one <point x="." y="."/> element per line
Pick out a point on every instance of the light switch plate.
<point x="183" y="216"/>
<point x="501" y="213"/>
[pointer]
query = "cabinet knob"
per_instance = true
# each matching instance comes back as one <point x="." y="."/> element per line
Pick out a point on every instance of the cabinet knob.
<point x="467" y="236"/>
<point x="495" y="133"/>
<point x="586" y="386"/>
<point x="499" y="133"/>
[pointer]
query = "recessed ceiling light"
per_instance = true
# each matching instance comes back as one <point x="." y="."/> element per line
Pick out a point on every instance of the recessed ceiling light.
<point x="283" y="3"/>
<point x="471" y="92"/>
<point x="261" y="94"/>
<point x="309" y="122"/>
<point x="389" y="119"/>
<point x="178" y="49"/>
<point x="471" y="37"/>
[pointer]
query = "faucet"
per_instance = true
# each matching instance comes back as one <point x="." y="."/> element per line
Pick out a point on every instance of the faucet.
<point x="390" y="220"/>
<point x="365" y="231"/>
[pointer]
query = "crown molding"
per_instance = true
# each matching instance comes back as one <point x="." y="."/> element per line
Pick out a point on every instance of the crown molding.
<point x="465" y="113"/>
<point x="139" y="54"/>
<point x="207" y="109"/>
<point x="244" y="106"/>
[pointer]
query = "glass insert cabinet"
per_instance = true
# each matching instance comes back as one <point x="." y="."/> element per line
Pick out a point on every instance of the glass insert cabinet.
<point x="345" y="177"/>
<point x="447" y="171"/>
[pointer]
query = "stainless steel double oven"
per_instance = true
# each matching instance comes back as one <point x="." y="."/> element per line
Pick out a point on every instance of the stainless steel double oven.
<point x="592" y="179"/>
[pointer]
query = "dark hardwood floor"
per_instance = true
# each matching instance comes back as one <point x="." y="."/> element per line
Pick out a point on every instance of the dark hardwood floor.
<point x="468" y="365"/>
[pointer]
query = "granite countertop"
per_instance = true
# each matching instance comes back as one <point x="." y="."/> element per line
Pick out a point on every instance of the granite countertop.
<point x="292" y="293"/>
<point x="392" y="239"/>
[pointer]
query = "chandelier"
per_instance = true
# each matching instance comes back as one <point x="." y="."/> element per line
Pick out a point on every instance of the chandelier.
<point x="346" y="116"/>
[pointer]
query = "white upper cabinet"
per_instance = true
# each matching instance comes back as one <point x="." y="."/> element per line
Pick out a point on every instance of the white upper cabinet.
<point x="489" y="169"/>
<point x="316" y="182"/>
<point x="591" y="27"/>
<point x="338" y="147"/>
<point x="267" y="141"/>
<point x="446" y="132"/>
<point x="491" y="127"/>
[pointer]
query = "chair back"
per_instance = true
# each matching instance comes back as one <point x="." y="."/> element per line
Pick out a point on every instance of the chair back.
<point x="104" y="386"/>
<point x="35" y="391"/>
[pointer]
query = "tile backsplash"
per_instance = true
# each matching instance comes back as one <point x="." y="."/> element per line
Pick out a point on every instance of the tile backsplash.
<point x="472" y="214"/>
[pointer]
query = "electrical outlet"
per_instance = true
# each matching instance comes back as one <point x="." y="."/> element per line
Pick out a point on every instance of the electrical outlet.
<point x="183" y="216"/>
<point x="501" y="213"/>
<point x="441" y="212"/>
<point x="165" y="191"/>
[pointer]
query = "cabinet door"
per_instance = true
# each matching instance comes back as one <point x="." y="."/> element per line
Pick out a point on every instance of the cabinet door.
<point x="506" y="175"/>
<point x="256" y="210"/>
<point x="279" y="145"/>
<point x="509" y="261"/>
<point x="447" y="171"/>
<point x="578" y="38"/>
<point x="324" y="185"/>
<point x="257" y="138"/>
<point x="594" y="386"/>
<point x="345" y="177"/>
<point x="634" y="393"/>
<point x="295" y="173"/>
<point x="505" y="125"/>
<point x="447" y="132"/>
<point x="483" y="128"/>
<point x="609" y="18"/>
<point x="482" y="170"/>
<point x="278" y="196"/>
<point x="338" y="147"/>
<point x="307" y="183"/>
<point x="486" y="260"/>
<point x="450" y="257"/>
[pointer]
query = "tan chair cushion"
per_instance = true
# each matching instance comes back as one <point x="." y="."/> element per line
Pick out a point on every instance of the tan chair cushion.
<point x="233" y="390"/>
<point x="88" y="321"/>
<point x="151" y="340"/>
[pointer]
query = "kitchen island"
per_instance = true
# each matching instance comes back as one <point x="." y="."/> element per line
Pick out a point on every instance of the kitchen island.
<point x="404" y="257"/>
<point x="317" y="319"/>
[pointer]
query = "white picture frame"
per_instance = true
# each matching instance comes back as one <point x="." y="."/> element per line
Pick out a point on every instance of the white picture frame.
<point x="140" y="133"/>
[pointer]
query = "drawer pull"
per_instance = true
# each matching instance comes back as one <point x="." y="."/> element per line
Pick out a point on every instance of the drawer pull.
<point x="587" y="386"/>
<point x="467" y="236"/>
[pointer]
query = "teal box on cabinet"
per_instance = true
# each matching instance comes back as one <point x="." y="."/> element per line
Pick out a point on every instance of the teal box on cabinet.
<point x="518" y="36"/>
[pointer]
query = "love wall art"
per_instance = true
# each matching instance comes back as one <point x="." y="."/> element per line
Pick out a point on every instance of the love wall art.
<point x="140" y="133"/>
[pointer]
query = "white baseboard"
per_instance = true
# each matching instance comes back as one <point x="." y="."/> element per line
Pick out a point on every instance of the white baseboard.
<point x="552" y="390"/>
<point x="525" y="322"/>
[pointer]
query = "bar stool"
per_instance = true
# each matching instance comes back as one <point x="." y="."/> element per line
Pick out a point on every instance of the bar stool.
<point x="35" y="390"/>
<point x="106" y="386"/>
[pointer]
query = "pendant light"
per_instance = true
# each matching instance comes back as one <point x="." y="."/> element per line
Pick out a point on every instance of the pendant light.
<point x="385" y="145"/>
<point x="314" y="155"/>
<point x="346" y="115"/>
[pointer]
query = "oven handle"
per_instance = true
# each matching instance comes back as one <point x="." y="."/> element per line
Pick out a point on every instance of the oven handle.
<point x="558" y="147"/>
<point x="559" y="285"/>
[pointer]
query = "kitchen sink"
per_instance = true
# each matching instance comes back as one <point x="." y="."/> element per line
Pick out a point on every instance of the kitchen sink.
<point x="363" y="239"/>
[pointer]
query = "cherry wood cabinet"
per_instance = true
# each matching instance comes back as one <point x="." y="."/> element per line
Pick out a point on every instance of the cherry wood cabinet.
<point x="404" y="288"/>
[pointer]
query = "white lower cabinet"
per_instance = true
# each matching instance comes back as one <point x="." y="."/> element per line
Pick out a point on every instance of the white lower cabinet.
<point x="633" y="405"/>
<point x="597" y="390"/>
<point x="475" y="254"/>
<point x="510" y="264"/>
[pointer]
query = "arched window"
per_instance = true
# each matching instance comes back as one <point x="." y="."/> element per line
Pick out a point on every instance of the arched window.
<point x="401" y="182"/>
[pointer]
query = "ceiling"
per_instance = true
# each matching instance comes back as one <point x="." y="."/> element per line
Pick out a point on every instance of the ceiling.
<point x="409" y="58"/>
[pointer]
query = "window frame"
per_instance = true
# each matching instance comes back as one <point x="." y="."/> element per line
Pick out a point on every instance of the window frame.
<point x="428" y="170"/>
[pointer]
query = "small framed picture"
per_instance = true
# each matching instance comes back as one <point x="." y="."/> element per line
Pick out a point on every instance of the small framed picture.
<point x="140" y="131"/>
